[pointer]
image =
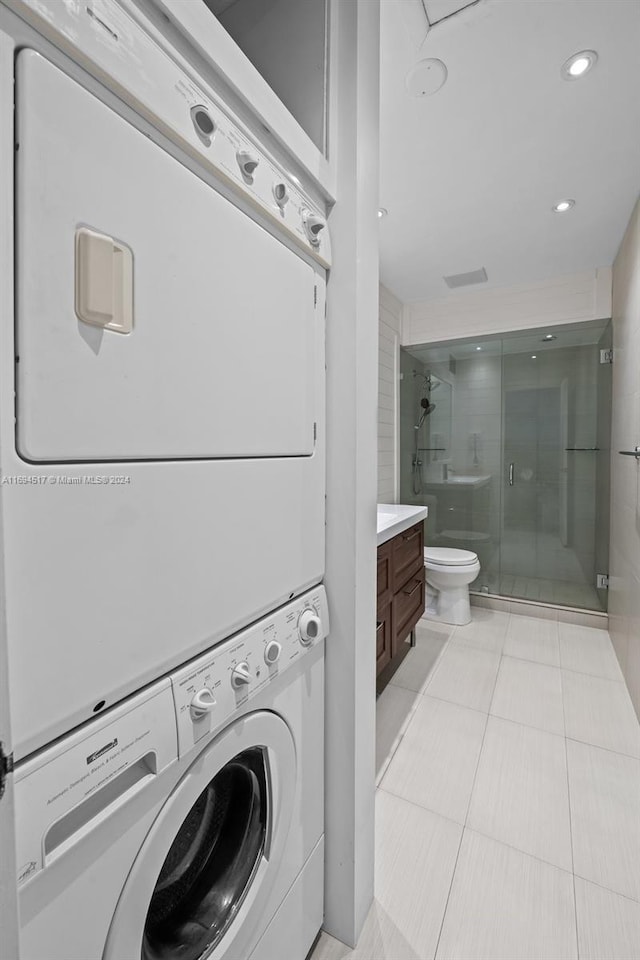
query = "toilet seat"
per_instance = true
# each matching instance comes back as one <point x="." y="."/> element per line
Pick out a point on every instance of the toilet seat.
<point x="449" y="557"/>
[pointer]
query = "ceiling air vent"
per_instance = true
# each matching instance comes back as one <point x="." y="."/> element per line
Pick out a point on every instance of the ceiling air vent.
<point x="465" y="279"/>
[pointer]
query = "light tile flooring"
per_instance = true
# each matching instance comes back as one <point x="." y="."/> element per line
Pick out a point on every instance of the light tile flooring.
<point x="508" y="802"/>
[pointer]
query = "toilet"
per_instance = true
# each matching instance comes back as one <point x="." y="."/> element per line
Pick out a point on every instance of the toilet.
<point x="448" y="573"/>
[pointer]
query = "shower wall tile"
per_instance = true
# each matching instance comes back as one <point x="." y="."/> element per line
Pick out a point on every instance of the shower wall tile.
<point x="389" y="325"/>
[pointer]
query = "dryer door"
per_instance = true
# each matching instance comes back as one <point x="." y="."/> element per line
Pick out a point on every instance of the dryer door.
<point x="155" y="320"/>
<point x="199" y="884"/>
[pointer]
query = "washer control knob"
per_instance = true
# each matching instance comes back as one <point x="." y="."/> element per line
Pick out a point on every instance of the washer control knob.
<point x="280" y="194"/>
<point x="309" y="626"/>
<point x="202" y="703"/>
<point x="240" y="675"/>
<point x="247" y="163"/>
<point x="272" y="652"/>
<point x="313" y="227"/>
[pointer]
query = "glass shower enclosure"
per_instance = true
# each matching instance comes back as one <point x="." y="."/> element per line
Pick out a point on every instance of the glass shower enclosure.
<point x="506" y="440"/>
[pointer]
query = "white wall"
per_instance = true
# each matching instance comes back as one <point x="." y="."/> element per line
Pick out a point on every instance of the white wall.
<point x="478" y="311"/>
<point x="389" y="331"/>
<point x="352" y="365"/>
<point x="624" y="590"/>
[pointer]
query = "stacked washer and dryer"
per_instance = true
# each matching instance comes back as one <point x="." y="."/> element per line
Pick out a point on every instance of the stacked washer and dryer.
<point x="163" y="487"/>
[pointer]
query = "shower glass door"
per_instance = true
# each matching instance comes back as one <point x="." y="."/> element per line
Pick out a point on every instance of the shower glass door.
<point x="450" y="450"/>
<point x="551" y="457"/>
<point x="506" y="440"/>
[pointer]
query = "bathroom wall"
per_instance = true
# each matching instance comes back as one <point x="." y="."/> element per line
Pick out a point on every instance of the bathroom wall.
<point x="389" y="326"/>
<point x="478" y="311"/>
<point x="624" y="591"/>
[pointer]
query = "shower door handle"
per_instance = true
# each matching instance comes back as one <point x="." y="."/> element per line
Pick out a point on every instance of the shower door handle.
<point x="511" y="466"/>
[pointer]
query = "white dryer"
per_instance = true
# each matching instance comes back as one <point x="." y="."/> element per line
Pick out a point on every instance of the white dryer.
<point x="162" y="427"/>
<point x="187" y="822"/>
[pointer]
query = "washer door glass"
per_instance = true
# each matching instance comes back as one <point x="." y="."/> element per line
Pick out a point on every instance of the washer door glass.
<point x="211" y="862"/>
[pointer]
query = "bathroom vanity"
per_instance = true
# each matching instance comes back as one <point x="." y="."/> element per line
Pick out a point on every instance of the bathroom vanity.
<point x="400" y="585"/>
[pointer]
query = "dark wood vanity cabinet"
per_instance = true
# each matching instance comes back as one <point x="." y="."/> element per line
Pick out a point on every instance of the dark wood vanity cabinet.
<point x="401" y="599"/>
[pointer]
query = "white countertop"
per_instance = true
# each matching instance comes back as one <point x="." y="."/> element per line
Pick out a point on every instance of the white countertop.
<point x="393" y="518"/>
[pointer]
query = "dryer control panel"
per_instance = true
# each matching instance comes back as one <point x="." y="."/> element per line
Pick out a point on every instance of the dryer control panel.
<point x="108" y="41"/>
<point x="213" y="687"/>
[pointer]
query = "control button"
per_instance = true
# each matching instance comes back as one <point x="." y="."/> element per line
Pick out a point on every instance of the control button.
<point x="281" y="194"/>
<point x="309" y="626"/>
<point x="240" y="675"/>
<point x="247" y="163"/>
<point x="313" y="226"/>
<point x="272" y="652"/>
<point x="202" y="703"/>
<point x="203" y="123"/>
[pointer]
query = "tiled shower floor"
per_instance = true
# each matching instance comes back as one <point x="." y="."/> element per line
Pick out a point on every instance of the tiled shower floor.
<point x="508" y="805"/>
<point x="537" y="589"/>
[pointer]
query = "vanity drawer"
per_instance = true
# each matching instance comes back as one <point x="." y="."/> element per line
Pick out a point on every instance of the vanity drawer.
<point x="383" y="638"/>
<point x="408" y="551"/>
<point x="384" y="571"/>
<point x="408" y="606"/>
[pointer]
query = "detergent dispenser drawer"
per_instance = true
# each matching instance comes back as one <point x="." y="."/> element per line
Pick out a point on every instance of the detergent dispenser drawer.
<point x="155" y="319"/>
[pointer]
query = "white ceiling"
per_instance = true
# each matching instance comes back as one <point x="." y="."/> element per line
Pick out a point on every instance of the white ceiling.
<point x="469" y="175"/>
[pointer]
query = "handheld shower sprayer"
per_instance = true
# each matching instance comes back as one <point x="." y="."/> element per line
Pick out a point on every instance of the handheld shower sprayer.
<point x="426" y="407"/>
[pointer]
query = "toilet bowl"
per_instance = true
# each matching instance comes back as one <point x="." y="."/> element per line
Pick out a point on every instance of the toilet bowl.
<point x="448" y="573"/>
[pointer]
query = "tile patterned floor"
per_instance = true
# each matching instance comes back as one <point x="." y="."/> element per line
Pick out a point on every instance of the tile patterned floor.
<point x="508" y="805"/>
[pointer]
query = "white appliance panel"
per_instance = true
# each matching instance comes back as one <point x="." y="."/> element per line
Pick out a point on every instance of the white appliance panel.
<point x="154" y="571"/>
<point x="71" y="899"/>
<point x="220" y="361"/>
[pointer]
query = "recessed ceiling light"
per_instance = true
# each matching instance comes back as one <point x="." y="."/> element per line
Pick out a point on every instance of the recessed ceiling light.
<point x="478" y="348"/>
<point x="534" y="357"/>
<point x="563" y="205"/>
<point x="382" y="212"/>
<point x="549" y="336"/>
<point x="579" y="64"/>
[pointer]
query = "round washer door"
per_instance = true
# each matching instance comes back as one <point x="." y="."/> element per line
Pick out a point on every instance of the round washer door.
<point x="199" y="884"/>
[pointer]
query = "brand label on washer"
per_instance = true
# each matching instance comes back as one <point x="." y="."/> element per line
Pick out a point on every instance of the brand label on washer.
<point x="76" y="769"/>
<point x="98" y="753"/>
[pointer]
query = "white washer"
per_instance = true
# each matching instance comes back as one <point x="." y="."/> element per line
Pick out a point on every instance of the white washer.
<point x="188" y="821"/>
<point x="162" y="428"/>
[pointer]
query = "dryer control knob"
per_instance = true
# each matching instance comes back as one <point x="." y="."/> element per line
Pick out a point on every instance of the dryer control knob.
<point x="203" y="123"/>
<point x="313" y="227"/>
<point x="240" y="675"/>
<point x="272" y="652"/>
<point x="280" y="194"/>
<point x="309" y="626"/>
<point x="202" y="703"/>
<point x="247" y="162"/>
